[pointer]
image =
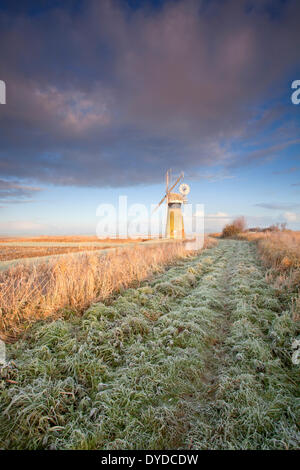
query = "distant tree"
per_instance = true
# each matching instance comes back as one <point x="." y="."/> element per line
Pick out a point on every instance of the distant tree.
<point x="236" y="227"/>
<point x="283" y="226"/>
<point x="271" y="228"/>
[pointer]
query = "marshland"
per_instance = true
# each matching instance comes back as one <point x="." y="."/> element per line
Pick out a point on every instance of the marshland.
<point x="176" y="122"/>
<point x="163" y="349"/>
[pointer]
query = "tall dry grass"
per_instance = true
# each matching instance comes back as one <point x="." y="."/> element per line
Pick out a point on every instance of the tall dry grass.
<point x="71" y="283"/>
<point x="280" y="251"/>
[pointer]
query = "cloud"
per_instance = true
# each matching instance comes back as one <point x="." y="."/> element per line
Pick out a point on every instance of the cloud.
<point x="287" y="171"/>
<point x="216" y="222"/>
<point x="291" y="217"/>
<point x="277" y="206"/>
<point x="263" y="154"/>
<point x="112" y="96"/>
<point x="212" y="177"/>
<point x="218" y="215"/>
<point x="22" y="227"/>
<point x="15" y="192"/>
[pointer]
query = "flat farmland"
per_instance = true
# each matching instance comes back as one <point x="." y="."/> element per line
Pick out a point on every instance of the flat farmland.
<point x="72" y="239"/>
<point x="15" y="250"/>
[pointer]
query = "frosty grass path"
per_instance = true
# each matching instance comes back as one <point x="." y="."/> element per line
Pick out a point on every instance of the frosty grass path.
<point x="197" y="358"/>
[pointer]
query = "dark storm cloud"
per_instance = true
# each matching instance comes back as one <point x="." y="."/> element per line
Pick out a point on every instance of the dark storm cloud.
<point x="107" y="95"/>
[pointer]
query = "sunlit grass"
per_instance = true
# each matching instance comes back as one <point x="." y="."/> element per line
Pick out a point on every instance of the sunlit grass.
<point x="197" y="357"/>
<point x="72" y="282"/>
<point x="280" y="253"/>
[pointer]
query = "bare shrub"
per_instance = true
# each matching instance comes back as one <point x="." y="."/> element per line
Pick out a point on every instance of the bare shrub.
<point x="233" y="229"/>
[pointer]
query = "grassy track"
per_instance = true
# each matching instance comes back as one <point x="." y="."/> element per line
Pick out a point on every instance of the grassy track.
<point x="200" y="357"/>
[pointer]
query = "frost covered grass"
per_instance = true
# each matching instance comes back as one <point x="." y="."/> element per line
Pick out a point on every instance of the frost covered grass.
<point x="197" y="357"/>
<point x="119" y="376"/>
<point x="254" y="402"/>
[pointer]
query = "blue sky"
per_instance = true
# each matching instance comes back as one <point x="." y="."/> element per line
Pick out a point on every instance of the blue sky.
<point x="104" y="97"/>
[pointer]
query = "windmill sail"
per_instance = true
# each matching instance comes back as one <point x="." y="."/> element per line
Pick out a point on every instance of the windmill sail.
<point x="168" y="190"/>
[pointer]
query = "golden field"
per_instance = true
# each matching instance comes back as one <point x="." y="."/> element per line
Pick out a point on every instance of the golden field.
<point x="8" y="253"/>
<point x="69" y="239"/>
<point x="31" y="247"/>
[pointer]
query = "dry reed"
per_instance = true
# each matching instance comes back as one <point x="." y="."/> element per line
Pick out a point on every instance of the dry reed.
<point x="280" y="252"/>
<point x="71" y="283"/>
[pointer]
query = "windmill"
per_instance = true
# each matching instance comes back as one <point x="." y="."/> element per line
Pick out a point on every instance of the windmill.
<point x="175" y="226"/>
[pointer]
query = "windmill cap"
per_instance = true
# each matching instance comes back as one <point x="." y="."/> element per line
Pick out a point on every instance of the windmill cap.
<point x="175" y="197"/>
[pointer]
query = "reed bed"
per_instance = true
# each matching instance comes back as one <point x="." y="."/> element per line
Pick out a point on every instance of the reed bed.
<point x="280" y="252"/>
<point x="69" y="284"/>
